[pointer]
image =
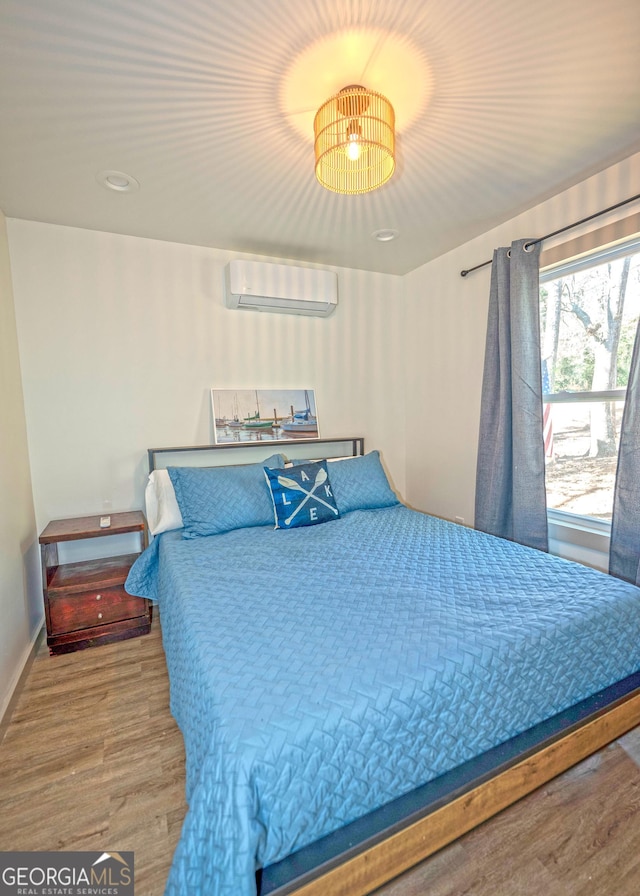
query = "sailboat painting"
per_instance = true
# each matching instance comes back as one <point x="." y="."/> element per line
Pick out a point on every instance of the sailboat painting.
<point x="255" y="415"/>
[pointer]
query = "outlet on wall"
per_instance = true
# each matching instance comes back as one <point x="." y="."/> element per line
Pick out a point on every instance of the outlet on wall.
<point x="459" y="519"/>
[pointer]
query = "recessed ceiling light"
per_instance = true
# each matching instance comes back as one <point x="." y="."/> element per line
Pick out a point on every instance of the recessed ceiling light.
<point x="384" y="236"/>
<point x="118" y="181"/>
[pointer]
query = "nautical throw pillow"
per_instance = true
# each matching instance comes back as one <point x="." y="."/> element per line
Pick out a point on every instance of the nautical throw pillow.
<point x="301" y="495"/>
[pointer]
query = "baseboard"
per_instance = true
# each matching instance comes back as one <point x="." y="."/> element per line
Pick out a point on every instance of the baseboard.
<point x="16" y="688"/>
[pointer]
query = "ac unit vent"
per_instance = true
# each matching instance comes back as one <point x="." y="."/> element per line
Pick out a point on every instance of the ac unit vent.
<point x="280" y="288"/>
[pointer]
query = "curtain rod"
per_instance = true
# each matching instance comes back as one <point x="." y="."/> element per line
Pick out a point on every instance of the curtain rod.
<point x="561" y="230"/>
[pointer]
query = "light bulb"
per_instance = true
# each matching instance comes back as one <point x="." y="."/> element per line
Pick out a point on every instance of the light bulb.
<point x="353" y="148"/>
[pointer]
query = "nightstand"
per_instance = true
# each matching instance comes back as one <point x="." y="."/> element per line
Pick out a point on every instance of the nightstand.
<point x="85" y="602"/>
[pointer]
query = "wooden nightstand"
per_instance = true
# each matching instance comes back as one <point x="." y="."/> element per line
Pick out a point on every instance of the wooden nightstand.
<point x="85" y="602"/>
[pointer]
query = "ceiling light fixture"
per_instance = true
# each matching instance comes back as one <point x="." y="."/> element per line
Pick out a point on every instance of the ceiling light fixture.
<point x="355" y="141"/>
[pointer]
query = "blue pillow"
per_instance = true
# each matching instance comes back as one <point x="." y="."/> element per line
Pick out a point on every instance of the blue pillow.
<point x="360" y="483"/>
<point x="213" y="500"/>
<point x="301" y="495"/>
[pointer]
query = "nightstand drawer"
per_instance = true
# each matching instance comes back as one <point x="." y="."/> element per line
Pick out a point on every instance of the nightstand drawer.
<point x="85" y="609"/>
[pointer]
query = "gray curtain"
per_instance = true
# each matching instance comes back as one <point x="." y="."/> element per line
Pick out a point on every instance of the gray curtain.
<point x="624" y="550"/>
<point x="510" y="491"/>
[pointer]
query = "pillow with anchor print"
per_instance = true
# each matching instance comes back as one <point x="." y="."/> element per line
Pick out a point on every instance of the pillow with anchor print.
<point x="301" y="495"/>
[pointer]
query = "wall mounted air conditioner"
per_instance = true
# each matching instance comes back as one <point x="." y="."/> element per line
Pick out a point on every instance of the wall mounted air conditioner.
<point x="259" y="286"/>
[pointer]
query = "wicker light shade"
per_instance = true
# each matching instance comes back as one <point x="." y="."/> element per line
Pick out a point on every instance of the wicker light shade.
<point x="355" y="141"/>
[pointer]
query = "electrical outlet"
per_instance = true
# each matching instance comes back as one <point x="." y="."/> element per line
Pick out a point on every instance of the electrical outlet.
<point x="459" y="519"/>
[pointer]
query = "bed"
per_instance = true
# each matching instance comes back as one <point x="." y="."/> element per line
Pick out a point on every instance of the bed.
<point x="355" y="694"/>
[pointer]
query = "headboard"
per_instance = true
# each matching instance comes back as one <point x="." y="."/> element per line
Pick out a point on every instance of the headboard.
<point x="250" y="452"/>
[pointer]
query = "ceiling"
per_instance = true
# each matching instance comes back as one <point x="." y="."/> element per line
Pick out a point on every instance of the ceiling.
<point x="209" y="105"/>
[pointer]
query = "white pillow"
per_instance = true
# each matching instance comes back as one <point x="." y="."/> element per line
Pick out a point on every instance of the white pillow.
<point x="161" y="505"/>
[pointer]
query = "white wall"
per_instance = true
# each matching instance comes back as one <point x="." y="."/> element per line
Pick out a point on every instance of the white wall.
<point x="446" y="328"/>
<point x="121" y="339"/>
<point x="21" y="610"/>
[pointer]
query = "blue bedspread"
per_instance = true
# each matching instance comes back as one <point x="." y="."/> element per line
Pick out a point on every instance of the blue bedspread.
<point x="320" y="672"/>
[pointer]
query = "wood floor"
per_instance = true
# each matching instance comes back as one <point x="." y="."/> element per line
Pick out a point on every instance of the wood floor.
<point x="92" y="759"/>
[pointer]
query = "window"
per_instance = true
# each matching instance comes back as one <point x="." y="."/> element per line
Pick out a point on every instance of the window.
<point x="589" y="311"/>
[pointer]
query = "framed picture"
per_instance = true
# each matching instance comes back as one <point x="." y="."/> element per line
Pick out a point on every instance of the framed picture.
<point x="255" y="415"/>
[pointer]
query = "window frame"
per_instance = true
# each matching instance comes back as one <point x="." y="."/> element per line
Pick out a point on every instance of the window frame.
<point x="586" y="532"/>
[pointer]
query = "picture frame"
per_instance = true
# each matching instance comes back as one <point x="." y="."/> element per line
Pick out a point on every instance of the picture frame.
<point x="263" y="415"/>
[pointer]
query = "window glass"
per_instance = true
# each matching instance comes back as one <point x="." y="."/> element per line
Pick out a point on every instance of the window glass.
<point x="589" y="313"/>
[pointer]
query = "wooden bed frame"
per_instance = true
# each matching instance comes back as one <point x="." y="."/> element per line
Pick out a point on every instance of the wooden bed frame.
<point x="364" y="855"/>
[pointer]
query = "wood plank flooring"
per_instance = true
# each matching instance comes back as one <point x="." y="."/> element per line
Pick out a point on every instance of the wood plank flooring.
<point x="92" y="759"/>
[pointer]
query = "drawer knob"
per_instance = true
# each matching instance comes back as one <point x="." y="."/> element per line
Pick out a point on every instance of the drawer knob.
<point x="98" y="596"/>
<point x="99" y="615"/>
